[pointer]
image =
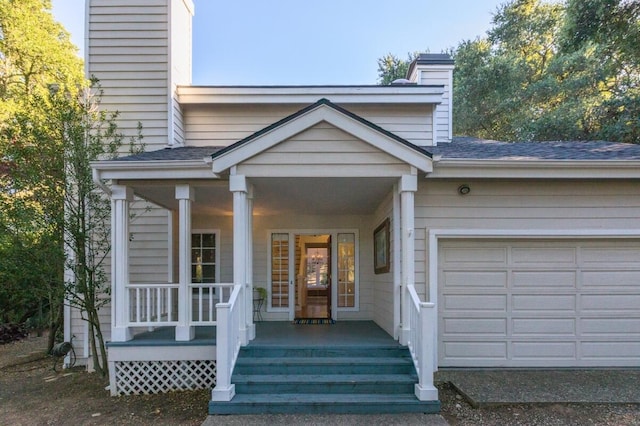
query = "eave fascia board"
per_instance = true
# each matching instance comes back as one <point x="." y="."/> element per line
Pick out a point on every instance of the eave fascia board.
<point x="536" y="169"/>
<point x="308" y="120"/>
<point x="305" y="95"/>
<point x="184" y="169"/>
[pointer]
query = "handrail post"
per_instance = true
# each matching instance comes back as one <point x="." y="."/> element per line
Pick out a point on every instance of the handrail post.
<point x="424" y="389"/>
<point x="224" y="389"/>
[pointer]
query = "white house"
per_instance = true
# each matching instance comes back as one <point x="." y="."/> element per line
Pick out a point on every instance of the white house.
<point x="349" y="203"/>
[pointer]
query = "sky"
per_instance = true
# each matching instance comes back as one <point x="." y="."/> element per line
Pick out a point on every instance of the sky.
<point x="293" y="42"/>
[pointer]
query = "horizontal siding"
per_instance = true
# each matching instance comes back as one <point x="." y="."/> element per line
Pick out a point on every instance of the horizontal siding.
<point x="128" y="53"/>
<point x="442" y="120"/>
<point x="383" y="283"/>
<point x="207" y="125"/>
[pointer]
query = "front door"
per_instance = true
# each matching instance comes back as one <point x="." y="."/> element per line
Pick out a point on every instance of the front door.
<point x="313" y="266"/>
<point x="314" y="274"/>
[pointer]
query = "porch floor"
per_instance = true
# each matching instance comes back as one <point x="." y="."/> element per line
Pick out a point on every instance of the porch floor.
<point x="342" y="333"/>
<point x="277" y="333"/>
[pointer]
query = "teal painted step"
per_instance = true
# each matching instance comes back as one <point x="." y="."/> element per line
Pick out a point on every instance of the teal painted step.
<point x="324" y="379"/>
<point x="324" y="404"/>
<point x="326" y="351"/>
<point x="325" y="383"/>
<point x="326" y="365"/>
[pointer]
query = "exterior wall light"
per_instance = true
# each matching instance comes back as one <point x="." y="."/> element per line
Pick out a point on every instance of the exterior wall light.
<point x="464" y="189"/>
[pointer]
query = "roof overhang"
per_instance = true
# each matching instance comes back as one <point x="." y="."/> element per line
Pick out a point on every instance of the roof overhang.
<point x="304" y="95"/>
<point x="174" y="169"/>
<point x="535" y="169"/>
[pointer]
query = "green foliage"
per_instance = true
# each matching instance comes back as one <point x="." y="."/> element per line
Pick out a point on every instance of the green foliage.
<point x="552" y="71"/>
<point x="36" y="56"/>
<point x="391" y="68"/>
<point x="548" y="71"/>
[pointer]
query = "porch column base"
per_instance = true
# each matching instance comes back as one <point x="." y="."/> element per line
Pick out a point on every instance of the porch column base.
<point x="426" y="393"/>
<point x="184" y="333"/>
<point x="121" y="334"/>
<point x="251" y="331"/>
<point x="244" y="336"/>
<point x="404" y="336"/>
<point x="223" y="394"/>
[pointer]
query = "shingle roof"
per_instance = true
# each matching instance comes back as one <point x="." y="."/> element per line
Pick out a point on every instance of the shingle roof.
<point x="479" y="149"/>
<point x="461" y="148"/>
<point x="174" y="154"/>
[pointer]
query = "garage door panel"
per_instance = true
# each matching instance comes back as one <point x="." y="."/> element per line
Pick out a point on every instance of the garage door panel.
<point x="539" y="303"/>
<point x="536" y="302"/>
<point x="610" y="302"/>
<point x="611" y="256"/>
<point x="610" y="326"/>
<point x="496" y="350"/>
<point x="543" y="255"/>
<point x="596" y="279"/>
<point x="486" y="326"/>
<point x="484" y="279"/>
<point x="612" y="350"/>
<point x="470" y="303"/>
<point x="537" y="279"/>
<point x="543" y="350"/>
<point x="543" y="326"/>
<point x="471" y="256"/>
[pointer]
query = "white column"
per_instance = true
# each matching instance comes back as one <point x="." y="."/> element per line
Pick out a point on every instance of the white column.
<point x="251" y="327"/>
<point x="120" y="198"/>
<point x="408" y="186"/>
<point x="184" y="195"/>
<point x="397" y="275"/>
<point x="238" y="185"/>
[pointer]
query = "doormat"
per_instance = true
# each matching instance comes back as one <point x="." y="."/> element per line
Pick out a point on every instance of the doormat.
<point x="313" y="321"/>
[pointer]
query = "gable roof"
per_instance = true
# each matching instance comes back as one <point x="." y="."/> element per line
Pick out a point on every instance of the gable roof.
<point x="322" y="110"/>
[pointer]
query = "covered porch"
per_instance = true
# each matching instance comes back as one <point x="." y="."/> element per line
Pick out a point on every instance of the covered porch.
<point x="282" y="182"/>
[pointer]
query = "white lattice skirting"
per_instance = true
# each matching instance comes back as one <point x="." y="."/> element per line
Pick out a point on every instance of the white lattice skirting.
<point x="147" y="377"/>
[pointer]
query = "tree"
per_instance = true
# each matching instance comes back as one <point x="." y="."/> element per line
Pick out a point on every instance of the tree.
<point x="89" y="134"/>
<point x="391" y="68"/>
<point x="549" y="71"/>
<point x="35" y="56"/>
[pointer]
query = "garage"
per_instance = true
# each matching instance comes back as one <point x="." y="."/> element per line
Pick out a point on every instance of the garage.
<point x="536" y="302"/>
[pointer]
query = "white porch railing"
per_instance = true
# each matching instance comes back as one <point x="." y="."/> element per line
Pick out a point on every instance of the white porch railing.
<point x="204" y="299"/>
<point x="422" y="317"/>
<point x="152" y="305"/>
<point x="229" y="338"/>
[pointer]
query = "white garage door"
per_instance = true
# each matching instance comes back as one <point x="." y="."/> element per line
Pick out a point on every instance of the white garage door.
<point x="535" y="303"/>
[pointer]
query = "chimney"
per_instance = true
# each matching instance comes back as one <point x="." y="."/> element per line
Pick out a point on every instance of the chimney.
<point x="431" y="69"/>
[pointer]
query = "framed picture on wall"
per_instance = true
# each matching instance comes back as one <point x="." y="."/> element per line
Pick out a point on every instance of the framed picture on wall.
<point x="381" y="261"/>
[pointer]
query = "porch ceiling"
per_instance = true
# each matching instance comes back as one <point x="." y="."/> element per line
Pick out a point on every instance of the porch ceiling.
<point x="275" y="196"/>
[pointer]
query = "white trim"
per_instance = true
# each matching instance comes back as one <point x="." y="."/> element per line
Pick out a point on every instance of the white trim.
<point x="309" y="94"/>
<point x="162" y="353"/>
<point x="307" y="120"/>
<point x="165" y="169"/>
<point x="334" y="268"/>
<point x="170" y="263"/>
<point x="397" y="275"/>
<point x="434" y="235"/>
<point x="529" y="168"/>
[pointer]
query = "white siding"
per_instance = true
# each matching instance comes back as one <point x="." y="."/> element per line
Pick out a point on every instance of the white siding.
<point x="128" y="53"/>
<point x="323" y="145"/>
<point x="383" y="283"/>
<point x="215" y="125"/>
<point x="444" y="114"/>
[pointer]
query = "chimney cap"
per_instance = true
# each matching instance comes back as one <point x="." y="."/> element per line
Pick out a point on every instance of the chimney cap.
<point x="430" y="59"/>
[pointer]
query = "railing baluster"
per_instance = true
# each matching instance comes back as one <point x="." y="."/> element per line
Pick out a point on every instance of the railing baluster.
<point x="137" y="305"/>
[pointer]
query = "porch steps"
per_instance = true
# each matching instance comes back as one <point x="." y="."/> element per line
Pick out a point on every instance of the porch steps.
<point x="324" y="379"/>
